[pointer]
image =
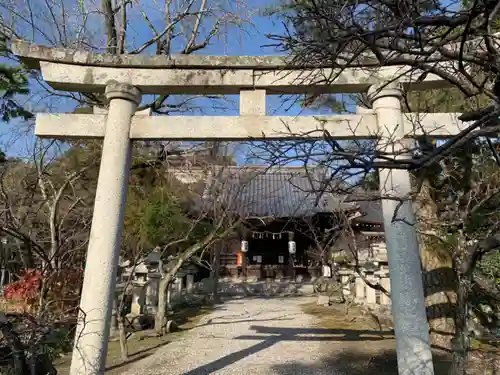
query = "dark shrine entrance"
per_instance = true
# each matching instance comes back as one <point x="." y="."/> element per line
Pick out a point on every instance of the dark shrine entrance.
<point x="268" y="250"/>
<point x="268" y="253"/>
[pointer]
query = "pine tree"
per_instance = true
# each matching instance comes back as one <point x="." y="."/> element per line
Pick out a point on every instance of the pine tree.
<point x="13" y="82"/>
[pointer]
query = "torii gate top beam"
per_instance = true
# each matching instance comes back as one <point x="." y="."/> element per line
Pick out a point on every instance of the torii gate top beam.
<point x="84" y="71"/>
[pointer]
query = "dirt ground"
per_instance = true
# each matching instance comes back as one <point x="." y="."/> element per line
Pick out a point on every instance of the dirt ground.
<point x="142" y="344"/>
<point x="379" y="356"/>
<point x="359" y="344"/>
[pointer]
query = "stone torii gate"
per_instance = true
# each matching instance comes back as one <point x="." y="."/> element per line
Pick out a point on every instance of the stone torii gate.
<point x="123" y="79"/>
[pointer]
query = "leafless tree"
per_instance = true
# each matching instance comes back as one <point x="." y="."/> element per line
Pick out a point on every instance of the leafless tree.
<point x="46" y="206"/>
<point x="120" y="27"/>
<point x="456" y="42"/>
<point x="220" y="222"/>
<point x="123" y="27"/>
<point x="468" y="198"/>
<point x="46" y="201"/>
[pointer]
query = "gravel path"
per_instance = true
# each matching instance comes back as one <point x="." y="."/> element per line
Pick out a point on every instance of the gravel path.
<point x="244" y="336"/>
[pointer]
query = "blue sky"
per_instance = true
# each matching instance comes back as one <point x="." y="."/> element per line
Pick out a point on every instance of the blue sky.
<point x="247" y="40"/>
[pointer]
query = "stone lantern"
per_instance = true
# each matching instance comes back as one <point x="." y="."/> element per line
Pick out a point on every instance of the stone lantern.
<point x="139" y="289"/>
<point x="141" y="273"/>
<point x="153" y="260"/>
<point x="152" y="291"/>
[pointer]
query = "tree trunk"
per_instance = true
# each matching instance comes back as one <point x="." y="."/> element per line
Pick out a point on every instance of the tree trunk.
<point x="438" y="275"/>
<point x="110" y="25"/>
<point x="216" y="274"/>
<point x="26" y="254"/>
<point x="461" y="344"/>
<point x="464" y="286"/>
<point x="2" y="278"/>
<point x="123" y="337"/>
<point x="440" y="301"/>
<point x="161" y="313"/>
<point x="169" y="295"/>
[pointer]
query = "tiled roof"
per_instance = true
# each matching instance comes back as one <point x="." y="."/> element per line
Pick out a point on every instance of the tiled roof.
<point x="369" y="205"/>
<point x="371" y="210"/>
<point x="276" y="192"/>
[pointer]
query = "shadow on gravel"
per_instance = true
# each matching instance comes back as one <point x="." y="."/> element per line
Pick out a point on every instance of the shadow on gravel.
<point x="275" y="335"/>
<point x="355" y="363"/>
<point x="384" y="362"/>
<point x="212" y="322"/>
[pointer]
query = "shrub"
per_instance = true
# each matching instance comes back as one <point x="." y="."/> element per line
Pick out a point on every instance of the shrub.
<point x="25" y="290"/>
<point x="61" y="290"/>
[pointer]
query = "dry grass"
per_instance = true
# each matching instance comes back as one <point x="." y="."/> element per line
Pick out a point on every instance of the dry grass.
<point x="366" y="349"/>
<point x="9" y="307"/>
<point x="333" y="317"/>
<point x="371" y="356"/>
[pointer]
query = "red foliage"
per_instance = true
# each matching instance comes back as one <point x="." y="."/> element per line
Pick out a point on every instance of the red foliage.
<point x="26" y="288"/>
<point x="62" y="286"/>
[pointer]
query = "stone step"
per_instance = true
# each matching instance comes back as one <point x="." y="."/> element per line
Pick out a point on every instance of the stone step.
<point x="273" y="288"/>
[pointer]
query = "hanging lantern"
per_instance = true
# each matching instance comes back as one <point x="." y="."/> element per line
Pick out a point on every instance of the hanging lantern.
<point x="292" y="247"/>
<point x="327" y="270"/>
<point x="244" y="246"/>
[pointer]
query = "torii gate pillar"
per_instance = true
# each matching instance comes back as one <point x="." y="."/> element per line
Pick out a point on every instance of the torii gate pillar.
<point x="91" y="337"/>
<point x="407" y="293"/>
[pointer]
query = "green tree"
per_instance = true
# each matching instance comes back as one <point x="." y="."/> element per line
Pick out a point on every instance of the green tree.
<point x="164" y="213"/>
<point x="13" y="82"/>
